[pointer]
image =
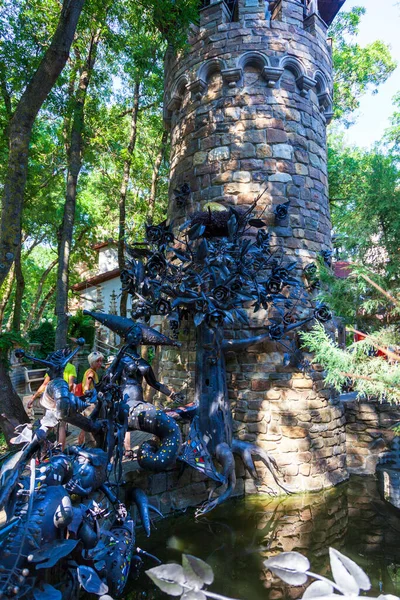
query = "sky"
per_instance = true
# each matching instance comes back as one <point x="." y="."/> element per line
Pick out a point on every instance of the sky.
<point x="381" y="21"/>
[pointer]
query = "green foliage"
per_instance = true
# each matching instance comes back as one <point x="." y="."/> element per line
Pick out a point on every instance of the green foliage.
<point x="134" y="39"/>
<point x="371" y="376"/>
<point x="8" y="341"/>
<point x="45" y="335"/>
<point x="355" y="300"/>
<point x="357" y="69"/>
<point x="365" y="209"/>
<point x="393" y="132"/>
<point x="81" y="325"/>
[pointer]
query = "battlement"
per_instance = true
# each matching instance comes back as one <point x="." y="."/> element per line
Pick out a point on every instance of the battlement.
<point x="293" y="12"/>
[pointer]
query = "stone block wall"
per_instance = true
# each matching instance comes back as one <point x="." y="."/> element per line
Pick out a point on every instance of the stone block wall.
<point x="369" y="434"/>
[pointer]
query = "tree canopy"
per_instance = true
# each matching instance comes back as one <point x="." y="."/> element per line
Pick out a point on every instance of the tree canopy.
<point x="122" y="153"/>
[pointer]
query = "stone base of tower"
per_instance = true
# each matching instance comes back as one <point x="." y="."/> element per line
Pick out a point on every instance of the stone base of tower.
<point x="294" y="417"/>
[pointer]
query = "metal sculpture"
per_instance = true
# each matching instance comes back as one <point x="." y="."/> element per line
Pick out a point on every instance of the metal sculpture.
<point x="94" y="542"/>
<point x="219" y="263"/>
<point x="128" y="371"/>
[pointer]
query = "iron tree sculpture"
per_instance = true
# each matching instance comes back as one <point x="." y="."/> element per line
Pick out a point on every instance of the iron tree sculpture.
<point x="218" y="265"/>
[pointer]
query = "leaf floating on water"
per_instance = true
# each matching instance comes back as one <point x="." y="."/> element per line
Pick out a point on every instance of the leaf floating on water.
<point x="90" y="581"/>
<point x="291" y="567"/>
<point x="201" y="569"/>
<point x="48" y="592"/>
<point x="194" y="595"/>
<point x="169" y="578"/>
<point x="347" y="574"/>
<point x="318" y="589"/>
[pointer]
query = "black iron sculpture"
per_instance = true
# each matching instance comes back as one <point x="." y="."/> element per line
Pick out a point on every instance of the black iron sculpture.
<point x="128" y="371"/>
<point x="218" y="266"/>
<point x="219" y="263"/>
<point x="93" y="544"/>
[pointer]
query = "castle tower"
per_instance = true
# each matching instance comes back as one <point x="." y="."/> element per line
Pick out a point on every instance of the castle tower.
<point x="248" y="104"/>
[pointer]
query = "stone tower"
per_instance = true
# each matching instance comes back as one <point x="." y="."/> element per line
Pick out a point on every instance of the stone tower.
<point x="248" y="104"/>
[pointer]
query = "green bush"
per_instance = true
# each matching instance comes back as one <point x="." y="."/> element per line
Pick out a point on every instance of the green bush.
<point x="8" y="341"/>
<point x="81" y="325"/>
<point x="45" y="335"/>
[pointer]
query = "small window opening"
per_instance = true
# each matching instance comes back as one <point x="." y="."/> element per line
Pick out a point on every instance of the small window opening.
<point x="232" y="6"/>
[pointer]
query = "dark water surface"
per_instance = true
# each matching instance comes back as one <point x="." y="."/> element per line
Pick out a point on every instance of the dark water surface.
<point x="236" y="538"/>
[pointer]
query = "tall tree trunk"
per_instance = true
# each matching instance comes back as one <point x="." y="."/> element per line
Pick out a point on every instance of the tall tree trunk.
<point x="42" y="306"/>
<point x="39" y="291"/>
<point x="211" y="390"/>
<point x="124" y="190"/>
<point x="20" y="131"/>
<point x="7" y="289"/>
<point x="12" y="411"/>
<point x="155" y="175"/>
<point x="19" y="291"/>
<point x="74" y="158"/>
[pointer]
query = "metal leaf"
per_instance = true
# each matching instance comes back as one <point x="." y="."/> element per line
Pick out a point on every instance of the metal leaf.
<point x="169" y="578"/>
<point x="291" y="266"/>
<point x="257" y="223"/>
<point x="201" y="568"/>
<point x="291" y="567"/>
<point x="318" y="589"/>
<point x="53" y="553"/>
<point x="232" y="225"/>
<point x="9" y="465"/>
<point x="48" y="592"/>
<point x="90" y="581"/>
<point x="198" y="319"/>
<point x="196" y="231"/>
<point x="347" y="574"/>
<point x="202" y="250"/>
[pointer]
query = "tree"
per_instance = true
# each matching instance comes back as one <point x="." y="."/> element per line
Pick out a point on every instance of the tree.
<point x="356" y="69"/>
<point x="20" y="129"/>
<point x="392" y="134"/>
<point x="74" y="125"/>
<point x="11" y="409"/>
<point x="372" y="376"/>
<point x="218" y="265"/>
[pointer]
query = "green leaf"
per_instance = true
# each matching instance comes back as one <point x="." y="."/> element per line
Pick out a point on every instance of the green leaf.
<point x="169" y="578"/>
<point x="318" y="589"/>
<point x="291" y="567"/>
<point x="194" y="595"/>
<point x="347" y="574"/>
<point x="201" y="569"/>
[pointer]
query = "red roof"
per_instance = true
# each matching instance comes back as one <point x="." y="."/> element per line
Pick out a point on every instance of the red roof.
<point x="101" y="245"/>
<point x="342" y="269"/>
<point x="96" y="280"/>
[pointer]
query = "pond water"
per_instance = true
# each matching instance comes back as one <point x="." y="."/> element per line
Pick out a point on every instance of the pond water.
<point x="236" y="538"/>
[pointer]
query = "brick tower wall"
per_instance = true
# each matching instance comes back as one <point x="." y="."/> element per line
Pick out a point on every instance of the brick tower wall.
<point x="248" y="103"/>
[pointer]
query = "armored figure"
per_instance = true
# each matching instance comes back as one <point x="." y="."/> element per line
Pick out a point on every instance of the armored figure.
<point x="129" y="370"/>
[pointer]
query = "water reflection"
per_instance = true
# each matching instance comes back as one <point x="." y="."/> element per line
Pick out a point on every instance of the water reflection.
<point x="240" y="535"/>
